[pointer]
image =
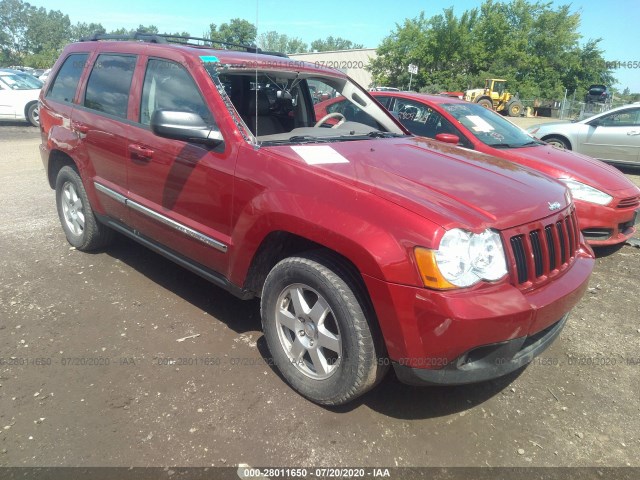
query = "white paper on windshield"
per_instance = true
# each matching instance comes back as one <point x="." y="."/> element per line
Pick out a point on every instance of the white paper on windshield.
<point x="319" y="154"/>
<point x="480" y="124"/>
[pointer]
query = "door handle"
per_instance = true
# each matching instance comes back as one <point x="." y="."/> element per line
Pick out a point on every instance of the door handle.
<point x="80" y="127"/>
<point x="634" y="132"/>
<point x="140" y="151"/>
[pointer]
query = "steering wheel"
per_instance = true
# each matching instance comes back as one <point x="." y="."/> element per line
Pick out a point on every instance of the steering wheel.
<point x="331" y="115"/>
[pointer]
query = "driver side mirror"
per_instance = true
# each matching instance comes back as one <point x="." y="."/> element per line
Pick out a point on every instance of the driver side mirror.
<point x="448" y="138"/>
<point x="185" y="126"/>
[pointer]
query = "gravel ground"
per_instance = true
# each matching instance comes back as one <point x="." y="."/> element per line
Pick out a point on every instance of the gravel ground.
<point x="87" y="381"/>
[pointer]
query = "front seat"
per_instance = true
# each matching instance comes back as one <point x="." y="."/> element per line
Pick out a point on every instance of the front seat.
<point x="264" y="123"/>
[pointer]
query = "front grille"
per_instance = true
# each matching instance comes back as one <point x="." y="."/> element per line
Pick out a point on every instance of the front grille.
<point x="544" y="248"/>
<point x="629" y="202"/>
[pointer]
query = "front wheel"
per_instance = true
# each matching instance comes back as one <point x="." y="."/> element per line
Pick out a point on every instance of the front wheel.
<point x="515" y="108"/>
<point x="319" y="330"/>
<point x="558" y="142"/>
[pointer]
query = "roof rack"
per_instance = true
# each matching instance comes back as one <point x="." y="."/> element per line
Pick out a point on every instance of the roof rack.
<point x="177" y="39"/>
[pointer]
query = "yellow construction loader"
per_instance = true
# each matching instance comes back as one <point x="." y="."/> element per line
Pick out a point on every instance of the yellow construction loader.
<point x="495" y="97"/>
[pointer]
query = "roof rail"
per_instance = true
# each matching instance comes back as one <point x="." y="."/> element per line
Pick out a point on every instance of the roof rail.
<point x="178" y="39"/>
<point x="146" y="37"/>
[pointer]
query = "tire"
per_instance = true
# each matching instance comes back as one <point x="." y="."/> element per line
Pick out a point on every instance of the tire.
<point x="558" y="142"/>
<point x="80" y="225"/>
<point x="318" y="326"/>
<point x="33" y="114"/>
<point x="486" y="103"/>
<point x="515" y="108"/>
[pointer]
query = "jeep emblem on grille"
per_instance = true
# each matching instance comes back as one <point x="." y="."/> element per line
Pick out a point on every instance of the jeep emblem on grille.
<point x="554" y="206"/>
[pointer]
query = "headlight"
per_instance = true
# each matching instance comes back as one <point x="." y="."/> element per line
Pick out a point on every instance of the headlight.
<point x="462" y="259"/>
<point x="581" y="191"/>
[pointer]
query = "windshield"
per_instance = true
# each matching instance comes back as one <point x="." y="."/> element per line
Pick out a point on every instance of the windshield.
<point x="16" y="81"/>
<point x="289" y="107"/>
<point x="489" y="127"/>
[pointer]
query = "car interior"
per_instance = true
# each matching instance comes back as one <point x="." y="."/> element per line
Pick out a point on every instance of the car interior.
<point x="278" y="105"/>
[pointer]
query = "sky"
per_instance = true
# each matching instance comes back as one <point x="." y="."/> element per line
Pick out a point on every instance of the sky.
<point x="366" y="22"/>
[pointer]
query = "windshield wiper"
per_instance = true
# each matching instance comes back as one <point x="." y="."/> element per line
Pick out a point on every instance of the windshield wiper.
<point x="511" y="145"/>
<point x="305" y="139"/>
<point x="298" y="139"/>
<point x="381" y="134"/>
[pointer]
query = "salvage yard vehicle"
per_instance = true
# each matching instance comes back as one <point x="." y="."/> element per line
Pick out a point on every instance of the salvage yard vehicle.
<point x="19" y="93"/>
<point x="495" y="96"/>
<point x="607" y="202"/>
<point x="612" y="136"/>
<point x="367" y="246"/>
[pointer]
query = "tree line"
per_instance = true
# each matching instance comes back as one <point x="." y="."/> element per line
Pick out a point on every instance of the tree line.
<point x="34" y="37"/>
<point x="534" y="46"/>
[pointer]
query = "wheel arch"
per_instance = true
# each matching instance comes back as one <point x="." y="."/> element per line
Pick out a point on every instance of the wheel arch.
<point x="27" y="107"/>
<point x="559" y="136"/>
<point x="57" y="160"/>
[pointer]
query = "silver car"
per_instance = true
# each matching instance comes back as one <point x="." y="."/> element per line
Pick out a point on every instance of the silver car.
<point x="612" y="136"/>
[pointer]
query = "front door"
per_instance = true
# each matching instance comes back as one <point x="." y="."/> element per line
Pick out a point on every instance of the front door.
<point x="615" y="137"/>
<point x="180" y="194"/>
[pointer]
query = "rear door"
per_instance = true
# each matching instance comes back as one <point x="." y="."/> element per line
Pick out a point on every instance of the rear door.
<point x="180" y="193"/>
<point x="100" y="120"/>
<point x="615" y="137"/>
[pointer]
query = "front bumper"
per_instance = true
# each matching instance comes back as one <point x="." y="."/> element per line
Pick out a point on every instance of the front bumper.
<point x="431" y="335"/>
<point x="485" y="362"/>
<point x="604" y="225"/>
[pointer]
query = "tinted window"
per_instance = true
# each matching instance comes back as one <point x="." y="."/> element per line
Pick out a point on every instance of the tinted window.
<point x="385" y="101"/>
<point x="65" y="84"/>
<point x="421" y="119"/>
<point x="109" y="84"/>
<point x="168" y="86"/>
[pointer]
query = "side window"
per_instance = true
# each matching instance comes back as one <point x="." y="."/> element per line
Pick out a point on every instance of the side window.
<point x="409" y="112"/>
<point x="64" y="86"/>
<point x="626" y="118"/>
<point x="109" y="84"/>
<point x="385" y="101"/>
<point x="337" y="107"/>
<point x="424" y="121"/>
<point x="168" y="86"/>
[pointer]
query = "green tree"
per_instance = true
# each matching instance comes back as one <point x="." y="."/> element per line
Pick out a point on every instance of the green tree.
<point x="532" y="45"/>
<point x="237" y="31"/>
<point x="273" y="41"/>
<point x="334" y="43"/>
<point x="82" y="29"/>
<point x="13" y="25"/>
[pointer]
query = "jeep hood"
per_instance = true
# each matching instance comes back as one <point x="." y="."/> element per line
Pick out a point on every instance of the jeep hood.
<point x="448" y="185"/>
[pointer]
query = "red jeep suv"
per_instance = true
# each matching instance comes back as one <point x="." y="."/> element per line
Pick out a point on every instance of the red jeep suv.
<point x="367" y="246"/>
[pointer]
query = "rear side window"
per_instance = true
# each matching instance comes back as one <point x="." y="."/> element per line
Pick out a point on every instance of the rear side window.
<point x="65" y="84"/>
<point x="109" y="84"/>
<point x="168" y="86"/>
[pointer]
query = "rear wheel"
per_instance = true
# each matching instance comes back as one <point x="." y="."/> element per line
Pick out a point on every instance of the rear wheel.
<point x="33" y="114"/>
<point x="319" y="331"/>
<point x="80" y="225"/>
<point x="486" y="103"/>
<point x="558" y="142"/>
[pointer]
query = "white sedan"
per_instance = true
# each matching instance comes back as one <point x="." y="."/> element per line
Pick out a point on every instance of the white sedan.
<point x="19" y="93"/>
<point x="612" y="136"/>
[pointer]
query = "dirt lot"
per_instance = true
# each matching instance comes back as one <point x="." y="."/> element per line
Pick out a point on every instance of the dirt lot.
<point x="86" y="380"/>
